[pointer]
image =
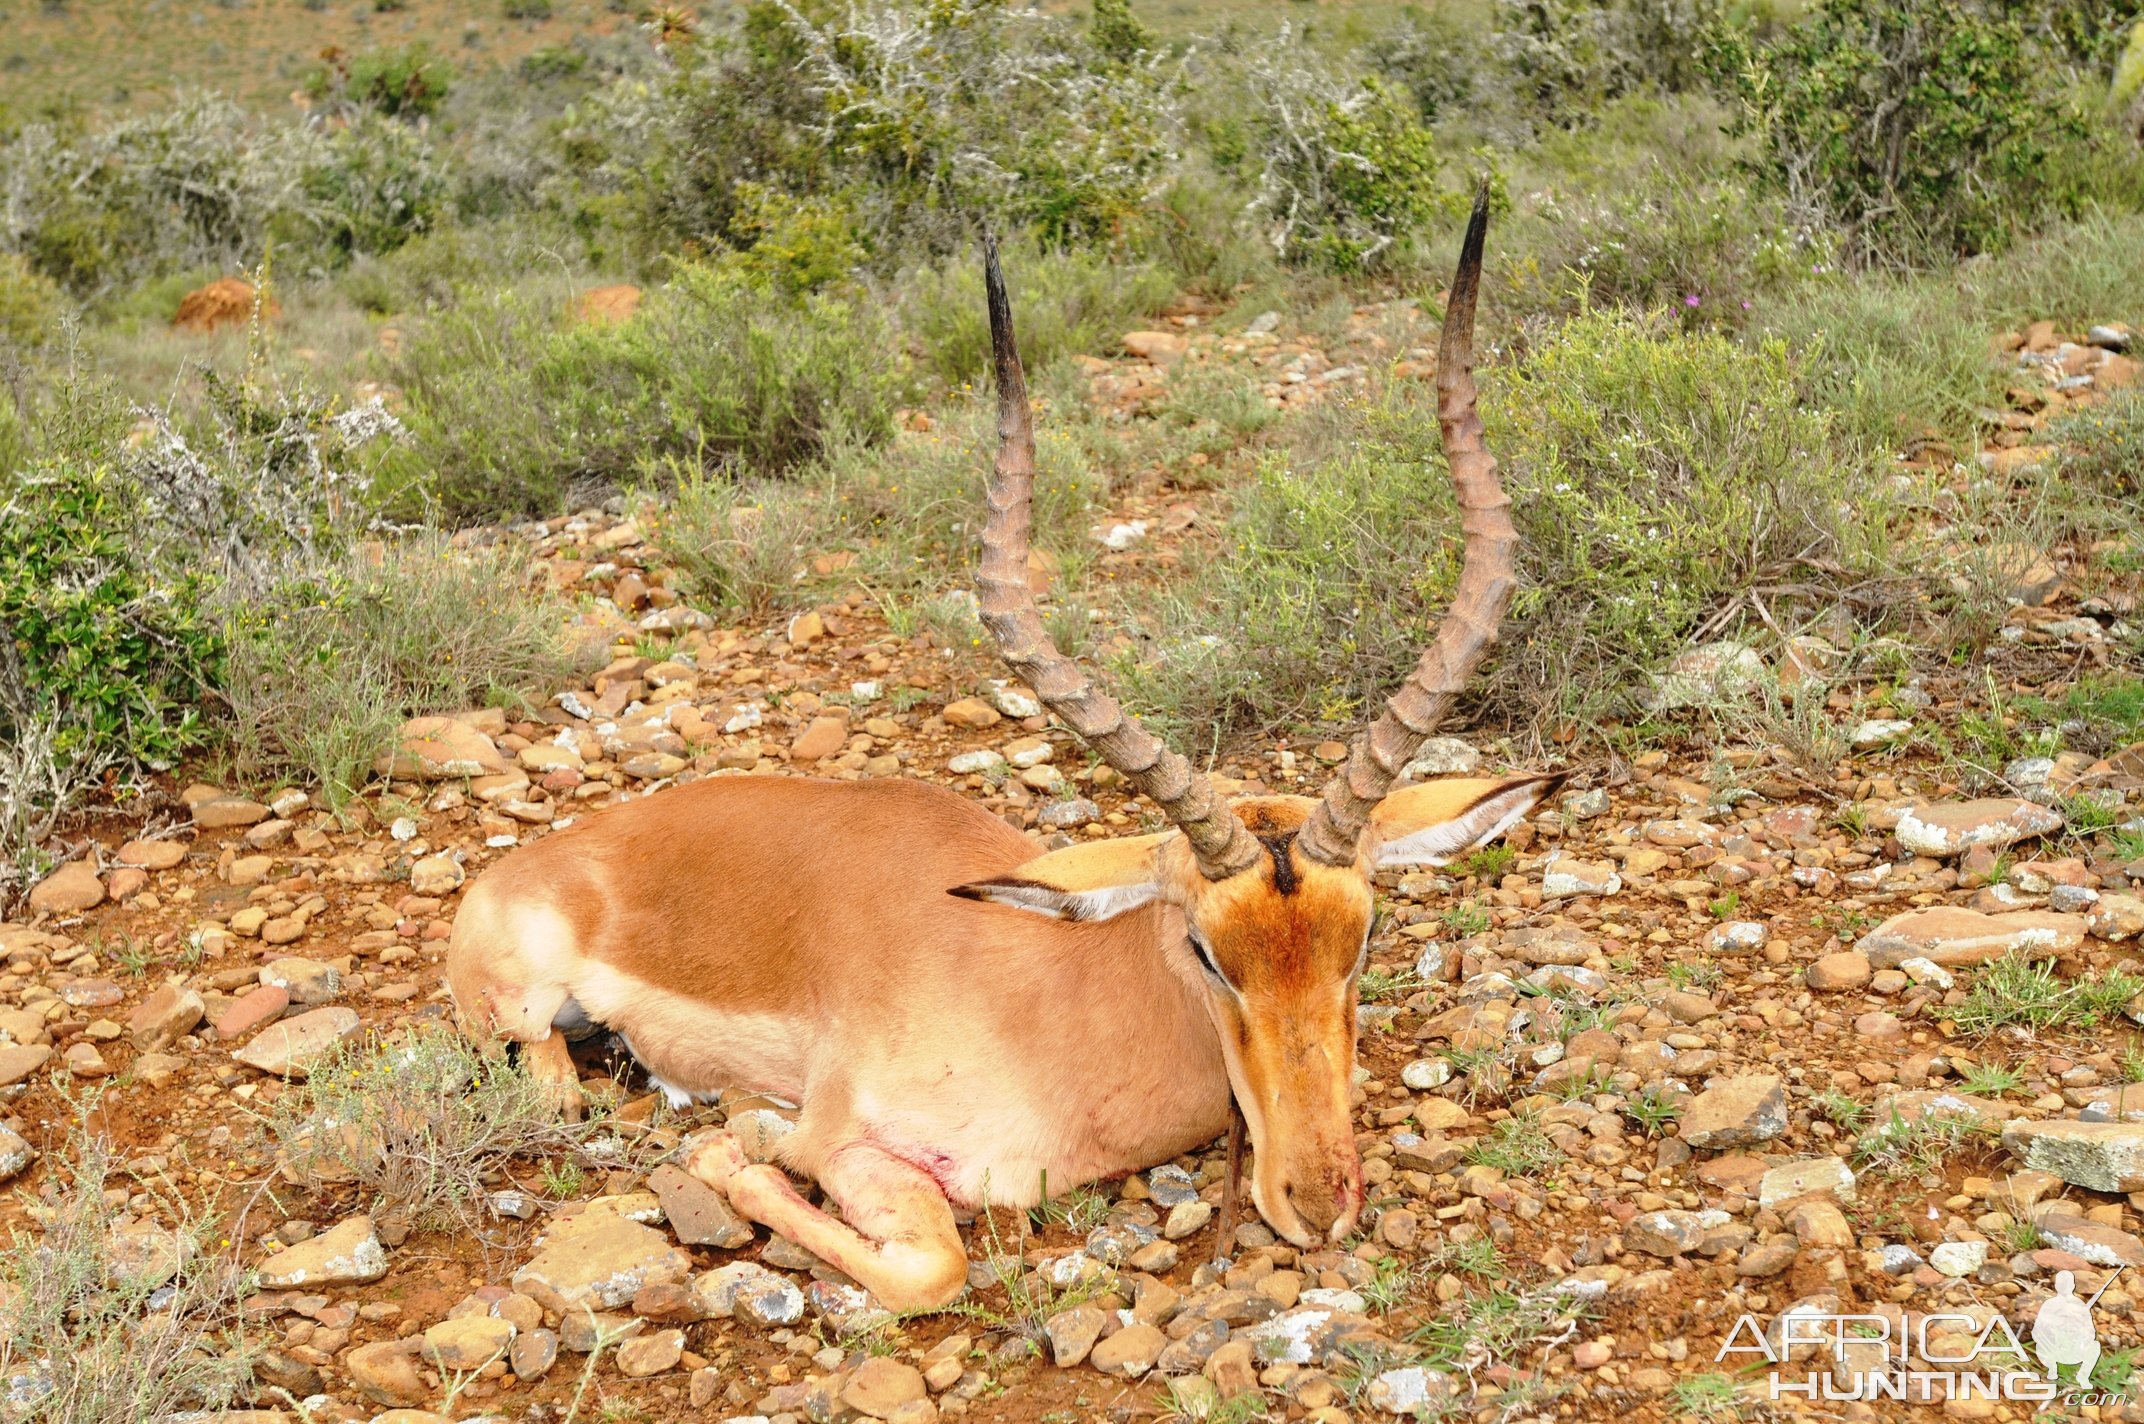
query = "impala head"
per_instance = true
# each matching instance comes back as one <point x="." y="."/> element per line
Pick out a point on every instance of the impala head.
<point x="1275" y="892"/>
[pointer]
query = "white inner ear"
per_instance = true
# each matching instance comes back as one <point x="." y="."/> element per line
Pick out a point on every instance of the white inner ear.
<point x="1081" y="905"/>
<point x="1439" y="843"/>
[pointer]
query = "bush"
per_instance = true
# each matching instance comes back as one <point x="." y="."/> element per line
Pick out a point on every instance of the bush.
<point x="408" y="83"/>
<point x="1346" y="169"/>
<point x="528" y="9"/>
<point x="511" y="408"/>
<point x="94" y="629"/>
<point x="1921" y="129"/>
<point x="328" y="662"/>
<point x="1566" y="58"/>
<point x="2103" y="446"/>
<point x="110" y="1320"/>
<point x="920" y="121"/>
<point x="1652" y="474"/>
<point x="1063" y="302"/>
<point x="369" y="187"/>
<point x="417" y="1124"/>
<point x="30" y="304"/>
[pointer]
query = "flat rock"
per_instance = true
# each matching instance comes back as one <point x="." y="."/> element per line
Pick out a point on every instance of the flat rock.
<point x="291" y="1047"/>
<point x="2104" y="1156"/>
<point x="19" y="1060"/>
<point x="698" y="1214"/>
<point x="152" y="855"/>
<point x="1953" y="935"/>
<point x="598" y="1260"/>
<point x="252" y="1009"/>
<point x="880" y="1387"/>
<point x="1129" y="1353"/>
<point x="1565" y="877"/>
<point x="225" y="812"/>
<point x="349" y="1253"/>
<point x="651" y="1353"/>
<point x="1955" y="827"/>
<point x="1073" y="1333"/>
<point x="69" y="890"/>
<point x="2090" y="1240"/>
<point x="160" y="1020"/>
<point x="1842" y="970"/>
<point x="1789" y="1180"/>
<point x="1736" y="1112"/>
<point x="468" y="1342"/>
<point x="307" y="981"/>
<point x="440" y="749"/>
<point x="750" y="1292"/>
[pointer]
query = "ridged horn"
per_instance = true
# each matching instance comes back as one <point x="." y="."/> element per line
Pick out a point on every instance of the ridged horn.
<point x="1219" y="840"/>
<point x="1333" y="832"/>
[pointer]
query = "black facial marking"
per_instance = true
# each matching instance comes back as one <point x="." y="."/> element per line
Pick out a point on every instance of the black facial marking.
<point x="1278" y="847"/>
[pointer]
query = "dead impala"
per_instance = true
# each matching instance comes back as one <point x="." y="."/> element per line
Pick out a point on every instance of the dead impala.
<point x="962" y="1017"/>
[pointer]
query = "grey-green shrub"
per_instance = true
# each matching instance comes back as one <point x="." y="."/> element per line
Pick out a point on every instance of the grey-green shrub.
<point x="511" y="404"/>
<point x="1651" y="474"/>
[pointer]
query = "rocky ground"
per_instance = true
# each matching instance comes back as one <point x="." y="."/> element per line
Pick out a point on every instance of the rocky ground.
<point x="1714" y="1039"/>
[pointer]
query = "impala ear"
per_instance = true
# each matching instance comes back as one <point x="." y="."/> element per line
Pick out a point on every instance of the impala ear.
<point x="1431" y="823"/>
<point x="1096" y="881"/>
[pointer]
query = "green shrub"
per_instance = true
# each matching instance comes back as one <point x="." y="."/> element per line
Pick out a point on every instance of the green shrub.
<point x="30" y="303"/>
<point x="1566" y="58"/>
<point x="527" y="9"/>
<point x="327" y="662"/>
<point x="372" y="186"/>
<point x="1346" y="168"/>
<point x="510" y="407"/>
<point x="1064" y="302"/>
<point x="1921" y="129"/>
<point x="96" y="629"/>
<point x="2103" y="445"/>
<point x="409" y="83"/>
<point x="1651" y="473"/>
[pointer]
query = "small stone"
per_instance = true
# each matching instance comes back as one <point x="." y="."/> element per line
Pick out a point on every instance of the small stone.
<point x="69" y="890"/>
<point x="2116" y="918"/>
<point x="436" y="875"/>
<point x="18" y="1061"/>
<point x="698" y="1214"/>
<point x="1845" y="969"/>
<point x="533" y="1353"/>
<point x="252" y="1009"/>
<point x="1073" y="1333"/>
<point x="1959" y="1258"/>
<point x="161" y="1019"/>
<point x="350" y="1253"/>
<point x="386" y="1371"/>
<point x="1818" y="1223"/>
<point x="152" y="855"/>
<point x="971" y="712"/>
<point x="290" y="1047"/>
<point x="1069" y="814"/>
<point x="1666" y="1233"/>
<point x="825" y="737"/>
<point x="1442" y="756"/>
<point x="16" y="1154"/>
<point x="651" y="1354"/>
<point x="1789" y="1180"/>
<point x="1738" y="937"/>
<point x="880" y="1387"/>
<point x="972" y="763"/>
<point x="1737" y="1112"/>
<point x="228" y="812"/>
<point x="1877" y="732"/>
<point x="469" y="1342"/>
<point x="306" y="981"/>
<point x="1565" y="877"/>
<point x="439" y="749"/>
<point x="1186" y="1219"/>
<point x="1129" y="1353"/>
<point x="1425" y="1074"/>
<point x="1414" y="1391"/>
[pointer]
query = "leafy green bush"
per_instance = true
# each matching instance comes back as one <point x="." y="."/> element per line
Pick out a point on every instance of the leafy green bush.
<point x="510" y="406"/>
<point x="2103" y="446"/>
<point x="95" y="629"/>
<point x="1651" y="474"/>
<point x="30" y="303"/>
<point x="1921" y="129"/>
<point x="1063" y="302"/>
<point x="1346" y="168"/>
<point x="527" y="9"/>
<point x="1566" y="58"/>
<point x="918" y="121"/>
<point x="371" y="186"/>
<point x="410" y="82"/>
<point x="327" y="662"/>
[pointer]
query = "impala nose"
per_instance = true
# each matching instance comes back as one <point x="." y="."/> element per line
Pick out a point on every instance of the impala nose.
<point x="1327" y="1203"/>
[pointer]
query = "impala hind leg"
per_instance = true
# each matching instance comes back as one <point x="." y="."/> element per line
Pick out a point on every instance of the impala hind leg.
<point x="898" y="1239"/>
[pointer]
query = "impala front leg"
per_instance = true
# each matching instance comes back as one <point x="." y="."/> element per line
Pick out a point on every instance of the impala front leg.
<point x="898" y="1239"/>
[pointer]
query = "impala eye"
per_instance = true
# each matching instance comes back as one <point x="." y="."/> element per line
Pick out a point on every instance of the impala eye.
<point x="1205" y="956"/>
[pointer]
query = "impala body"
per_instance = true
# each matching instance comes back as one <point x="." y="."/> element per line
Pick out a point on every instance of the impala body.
<point x="963" y="1017"/>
